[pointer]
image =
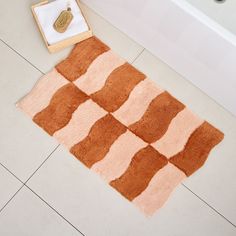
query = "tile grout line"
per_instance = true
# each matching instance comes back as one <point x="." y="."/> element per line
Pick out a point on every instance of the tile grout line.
<point x="11" y="198"/>
<point x="139" y="54"/>
<point x="21" y="56"/>
<point x="201" y="199"/>
<point x="42" y="163"/>
<point x="24" y="183"/>
<point x="54" y="210"/>
<point x="11" y="173"/>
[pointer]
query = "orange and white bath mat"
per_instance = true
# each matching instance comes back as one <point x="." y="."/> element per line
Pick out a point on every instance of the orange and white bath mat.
<point x="136" y="136"/>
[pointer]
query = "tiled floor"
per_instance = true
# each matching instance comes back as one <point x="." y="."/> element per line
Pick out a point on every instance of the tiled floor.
<point x="45" y="191"/>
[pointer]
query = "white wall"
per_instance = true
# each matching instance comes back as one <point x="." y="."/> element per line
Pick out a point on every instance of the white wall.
<point x="191" y="45"/>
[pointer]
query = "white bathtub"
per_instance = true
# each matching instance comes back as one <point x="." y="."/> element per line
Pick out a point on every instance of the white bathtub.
<point x="195" y="37"/>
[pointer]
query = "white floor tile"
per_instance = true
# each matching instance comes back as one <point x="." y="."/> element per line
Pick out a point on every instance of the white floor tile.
<point x="96" y="209"/>
<point x="8" y="186"/>
<point x="24" y="37"/>
<point x="215" y="181"/>
<point x="27" y="215"/>
<point x="23" y="145"/>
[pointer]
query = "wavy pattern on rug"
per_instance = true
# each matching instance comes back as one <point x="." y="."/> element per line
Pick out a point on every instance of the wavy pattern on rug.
<point x="136" y="136"/>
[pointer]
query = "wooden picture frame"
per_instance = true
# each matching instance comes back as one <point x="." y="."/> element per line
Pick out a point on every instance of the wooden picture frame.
<point x="66" y="42"/>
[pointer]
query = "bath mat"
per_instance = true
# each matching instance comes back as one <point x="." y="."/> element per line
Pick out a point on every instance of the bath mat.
<point x="136" y="136"/>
